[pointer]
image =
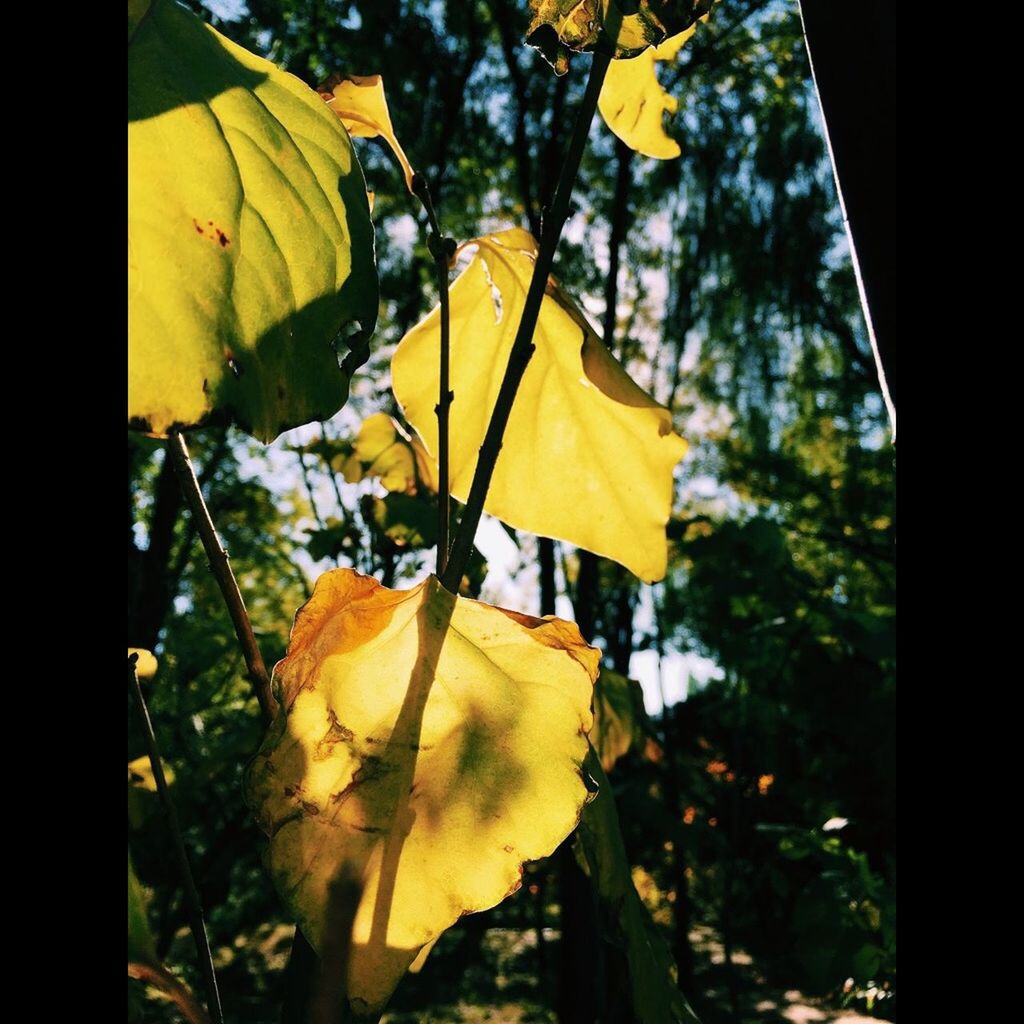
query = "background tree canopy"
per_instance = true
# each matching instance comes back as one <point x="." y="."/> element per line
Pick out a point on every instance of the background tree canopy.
<point x="758" y="812"/>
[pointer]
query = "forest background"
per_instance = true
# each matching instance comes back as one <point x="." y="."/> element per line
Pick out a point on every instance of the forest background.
<point x="758" y="809"/>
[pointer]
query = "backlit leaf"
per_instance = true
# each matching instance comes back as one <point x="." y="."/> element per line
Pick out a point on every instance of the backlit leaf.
<point x="145" y="664"/>
<point x="249" y="237"/>
<point x="587" y="456"/>
<point x="601" y="853"/>
<point x="360" y="102"/>
<point x="632" y="101"/>
<point x="630" y="26"/>
<point x="620" y="720"/>
<point x="382" y="449"/>
<point x="140" y="774"/>
<point x="428" y="746"/>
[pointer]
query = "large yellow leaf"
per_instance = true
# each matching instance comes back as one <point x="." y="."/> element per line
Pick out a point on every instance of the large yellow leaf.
<point x="249" y="237"/>
<point x="360" y="102"/>
<point x="428" y="746"/>
<point x="587" y="456"/>
<point x="655" y="996"/>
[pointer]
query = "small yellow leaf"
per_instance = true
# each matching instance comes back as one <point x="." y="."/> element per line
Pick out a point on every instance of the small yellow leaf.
<point x="383" y="449"/>
<point x="587" y="456"/>
<point x="632" y="100"/>
<point x="145" y="666"/>
<point x="428" y="745"/>
<point x="140" y="774"/>
<point x="360" y="102"/>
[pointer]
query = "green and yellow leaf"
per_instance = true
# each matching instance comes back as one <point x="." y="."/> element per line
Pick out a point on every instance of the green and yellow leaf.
<point x="145" y="664"/>
<point x="383" y="449"/>
<point x="360" y="102"/>
<point x="428" y="746"/>
<point x="656" y="998"/>
<point x="587" y="457"/>
<point x="250" y="245"/>
<point x="558" y="26"/>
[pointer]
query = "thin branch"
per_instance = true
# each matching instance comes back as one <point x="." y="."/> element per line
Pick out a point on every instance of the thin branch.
<point x="221" y="568"/>
<point x="442" y="249"/>
<point x="330" y="469"/>
<point x="522" y="348"/>
<point x="309" y="490"/>
<point x="195" y="910"/>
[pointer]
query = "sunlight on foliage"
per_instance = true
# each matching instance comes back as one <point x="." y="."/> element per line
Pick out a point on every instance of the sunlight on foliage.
<point x="360" y="102"/>
<point x="632" y="99"/>
<point x="429" y="745"/>
<point x="587" y="456"/>
<point x="558" y="26"/>
<point x="382" y="449"/>
<point x="249" y="237"/>
<point x="145" y="665"/>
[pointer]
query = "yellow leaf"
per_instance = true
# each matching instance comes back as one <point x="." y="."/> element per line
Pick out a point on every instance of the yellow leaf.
<point x="145" y="666"/>
<point x="558" y="26"/>
<point x="140" y="774"/>
<point x="250" y="243"/>
<point x="587" y="456"/>
<point x="428" y="745"/>
<point x="383" y="449"/>
<point x="632" y="100"/>
<point x="360" y="102"/>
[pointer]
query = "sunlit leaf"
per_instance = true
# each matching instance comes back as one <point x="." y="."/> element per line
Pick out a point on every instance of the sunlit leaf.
<point x="428" y="746"/>
<point x="620" y="720"/>
<point x="360" y="102"/>
<point x="250" y="245"/>
<point x="600" y="850"/>
<point x="632" y="100"/>
<point x="631" y="26"/>
<point x="382" y="449"/>
<point x="145" y="664"/>
<point x="140" y="774"/>
<point x="587" y="456"/>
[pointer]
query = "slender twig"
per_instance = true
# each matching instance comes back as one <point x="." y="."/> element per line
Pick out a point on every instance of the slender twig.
<point x="442" y="249"/>
<point x="330" y="469"/>
<point x="522" y="348"/>
<point x="221" y="568"/>
<point x="309" y="490"/>
<point x="195" y="910"/>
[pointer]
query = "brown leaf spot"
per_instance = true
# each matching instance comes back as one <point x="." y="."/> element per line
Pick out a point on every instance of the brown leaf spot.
<point x="222" y="238"/>
<point x="310" y="808"/>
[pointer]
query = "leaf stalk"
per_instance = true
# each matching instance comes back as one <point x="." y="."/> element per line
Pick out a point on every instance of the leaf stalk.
<point x="522" y="347"/>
